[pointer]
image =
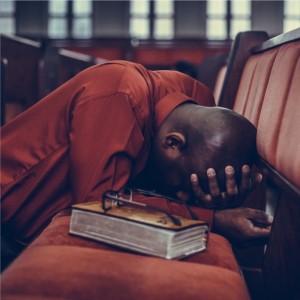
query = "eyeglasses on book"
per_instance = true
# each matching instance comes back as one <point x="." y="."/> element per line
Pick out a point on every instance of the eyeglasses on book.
<point x="125" y="196"/>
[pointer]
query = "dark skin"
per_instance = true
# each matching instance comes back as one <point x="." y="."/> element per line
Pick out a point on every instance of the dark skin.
<point x="204" y="155"/>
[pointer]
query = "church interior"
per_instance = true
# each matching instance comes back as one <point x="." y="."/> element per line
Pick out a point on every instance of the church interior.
<point x="247" y="53"/>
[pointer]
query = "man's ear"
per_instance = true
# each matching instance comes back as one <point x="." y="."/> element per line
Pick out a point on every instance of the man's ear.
<point x="174" y="141"/>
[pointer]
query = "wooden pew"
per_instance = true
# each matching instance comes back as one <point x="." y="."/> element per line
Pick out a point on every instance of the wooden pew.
<point x="262" y="83"/>
<point x="240" y="51"/>
<point x="71" y="63"/>
<point x="23" y="58"/>
<point x="35" y="69"/>
<point x="208" y="70"/>
<point x="219" y="83"/>
<point x="60" y="65"/>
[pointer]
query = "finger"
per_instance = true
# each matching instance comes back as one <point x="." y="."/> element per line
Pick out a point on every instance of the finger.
<point x="245" y="186"/>
<point x="231" y="187"/>
<point x="231" y="195"/>
<point x="197" y="190"/>
<point x="260" y="217"/>
<point x="217" y="199"/>
<point x="246" y="179"/>
<point x="213" y="183"/>
<point x="261" y="231"/>
<point x="255" y="181"/>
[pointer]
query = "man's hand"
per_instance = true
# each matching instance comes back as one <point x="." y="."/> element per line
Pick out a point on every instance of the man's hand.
<point x="243" y="225"/>
<point x="234" y="195"/>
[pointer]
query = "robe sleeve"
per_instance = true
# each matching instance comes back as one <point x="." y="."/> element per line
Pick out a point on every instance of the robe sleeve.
<point x="105" y="138"/>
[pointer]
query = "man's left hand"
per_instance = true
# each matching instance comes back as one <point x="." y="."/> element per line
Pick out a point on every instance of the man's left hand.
<point x="245" y="226"/>
<point x="234" y="195"/>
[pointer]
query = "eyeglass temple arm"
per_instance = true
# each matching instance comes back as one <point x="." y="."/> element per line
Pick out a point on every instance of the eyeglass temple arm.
<point x="150" y="193"/>
<point x="175" y="220"/>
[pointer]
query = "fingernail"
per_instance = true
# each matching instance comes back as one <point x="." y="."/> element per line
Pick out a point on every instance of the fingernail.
<point x="246" y="168"/>
<point x="229" y="170"/>
<point x="211" y="172"/>
<point x="194" y="177"/>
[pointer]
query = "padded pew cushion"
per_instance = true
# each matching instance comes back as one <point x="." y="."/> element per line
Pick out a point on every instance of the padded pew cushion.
<point x="74" y="272"/>
<point x="218" y="253"/>
<point x="58" y="265"/>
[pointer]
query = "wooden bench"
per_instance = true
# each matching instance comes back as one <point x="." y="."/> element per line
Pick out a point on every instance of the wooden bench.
<point x="71" y="63"/>
<point x="209" y="69"/>
<point x="23" y="59"/>
<point x="263" y="84"/>
<point x="34" y="69"/>
<point x="60" y="65"/>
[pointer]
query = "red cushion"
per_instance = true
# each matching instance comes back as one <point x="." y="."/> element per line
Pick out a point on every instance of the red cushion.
<point x="218" y="253"/>
<point x="58" y="265"/>
<point x="73" y="272"/>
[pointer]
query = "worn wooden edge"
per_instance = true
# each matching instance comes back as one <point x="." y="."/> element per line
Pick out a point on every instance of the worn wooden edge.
<point x="75" y="55"/>
<point x="239" y="54"/>
<point x="20" y="40"/>
<point x="277" y="41"/>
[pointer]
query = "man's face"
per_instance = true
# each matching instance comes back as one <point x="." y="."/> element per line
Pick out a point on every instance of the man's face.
<point x="174" y="165"/>
<point x="174" y="174"/>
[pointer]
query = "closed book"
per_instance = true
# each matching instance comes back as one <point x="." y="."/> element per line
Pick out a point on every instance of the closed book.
<point x="139" y="229"/>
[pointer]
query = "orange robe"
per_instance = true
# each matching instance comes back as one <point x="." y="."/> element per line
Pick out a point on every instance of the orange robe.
<point x="91" y="134"/>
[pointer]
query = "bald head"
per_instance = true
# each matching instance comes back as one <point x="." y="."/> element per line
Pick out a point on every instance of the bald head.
<point x="212" y="137"/>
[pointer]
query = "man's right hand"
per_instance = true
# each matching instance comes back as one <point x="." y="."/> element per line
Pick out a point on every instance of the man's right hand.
<point x="243" y="225"/>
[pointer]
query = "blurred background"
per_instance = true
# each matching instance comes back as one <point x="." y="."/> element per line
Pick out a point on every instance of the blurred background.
<point x="194" y="37"/>
<point x="189" y="30"/>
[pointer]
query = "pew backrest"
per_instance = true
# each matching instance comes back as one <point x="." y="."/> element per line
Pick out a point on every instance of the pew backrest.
<point x="59" y="66"/>
<point x="23" y="59"/>
<point x="268" y="94"/>
<point x="240" y="51"/>
<point x="71" y="63"/>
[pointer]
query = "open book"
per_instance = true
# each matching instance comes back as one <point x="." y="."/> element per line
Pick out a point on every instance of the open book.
<point x="139" y="229"/>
